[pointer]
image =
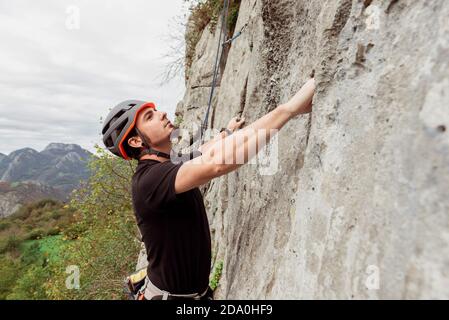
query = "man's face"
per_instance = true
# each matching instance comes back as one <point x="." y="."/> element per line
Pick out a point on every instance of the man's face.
<point x="155" y="126"/>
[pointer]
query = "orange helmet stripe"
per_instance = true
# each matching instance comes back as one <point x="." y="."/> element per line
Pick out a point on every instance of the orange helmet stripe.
<point x="120" y="145"/>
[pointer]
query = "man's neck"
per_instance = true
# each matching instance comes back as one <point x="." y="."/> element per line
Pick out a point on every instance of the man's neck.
<point x="155" y="157"/>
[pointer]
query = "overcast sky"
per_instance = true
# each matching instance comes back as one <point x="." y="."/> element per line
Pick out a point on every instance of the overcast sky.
<point x="57" y="80"/>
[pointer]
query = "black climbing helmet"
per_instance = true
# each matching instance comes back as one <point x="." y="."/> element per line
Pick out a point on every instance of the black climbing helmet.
<point x="119" y="123"/>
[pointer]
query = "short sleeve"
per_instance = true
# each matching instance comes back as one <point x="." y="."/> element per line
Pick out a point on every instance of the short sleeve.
<point x="157" y="184"/>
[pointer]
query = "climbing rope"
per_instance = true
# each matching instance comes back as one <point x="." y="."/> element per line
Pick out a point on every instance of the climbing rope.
<point x="216" y="66"/>
<point x="220" y="49"/>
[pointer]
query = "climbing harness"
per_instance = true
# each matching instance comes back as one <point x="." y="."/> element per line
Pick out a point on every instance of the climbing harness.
<point x="139" y="287"/>
<point x="150" y="289"/>
<point x="134" y="284"/>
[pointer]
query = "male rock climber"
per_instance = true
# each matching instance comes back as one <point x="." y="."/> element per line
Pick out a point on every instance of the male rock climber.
<point x="168" y="205"/>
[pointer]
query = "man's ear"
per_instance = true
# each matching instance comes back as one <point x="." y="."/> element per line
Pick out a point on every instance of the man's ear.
<point x="135" y="142"/>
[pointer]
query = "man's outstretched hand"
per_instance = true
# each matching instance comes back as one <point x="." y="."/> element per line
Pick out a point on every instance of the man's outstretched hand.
<point x="301" y="102"/>
<point x="235" y="123"/>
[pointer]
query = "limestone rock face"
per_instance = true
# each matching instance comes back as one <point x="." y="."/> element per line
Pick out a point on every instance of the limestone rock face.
<point x="356" y="202"/>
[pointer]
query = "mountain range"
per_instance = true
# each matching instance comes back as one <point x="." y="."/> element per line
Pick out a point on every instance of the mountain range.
<point x="28" y="175"/>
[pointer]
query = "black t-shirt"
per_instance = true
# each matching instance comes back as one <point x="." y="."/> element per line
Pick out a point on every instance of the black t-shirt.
<point x="174" y="228"/>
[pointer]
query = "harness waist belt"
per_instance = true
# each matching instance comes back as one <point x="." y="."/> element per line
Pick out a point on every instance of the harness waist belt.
<point x="151" y="290"/>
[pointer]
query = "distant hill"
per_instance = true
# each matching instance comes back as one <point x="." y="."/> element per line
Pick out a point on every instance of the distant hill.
<point x="54" y="173"/>
<point x="59" y="165"/>
<point x="14" y="195"/>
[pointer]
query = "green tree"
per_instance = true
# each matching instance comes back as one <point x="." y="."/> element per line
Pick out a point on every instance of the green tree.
<point x="105" y="241"/>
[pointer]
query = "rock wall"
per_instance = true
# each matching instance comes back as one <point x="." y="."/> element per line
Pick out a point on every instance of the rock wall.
<point x="359" y="204"/>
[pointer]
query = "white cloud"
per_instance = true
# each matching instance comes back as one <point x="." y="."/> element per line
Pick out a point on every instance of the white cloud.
<point x="56" y="83"/>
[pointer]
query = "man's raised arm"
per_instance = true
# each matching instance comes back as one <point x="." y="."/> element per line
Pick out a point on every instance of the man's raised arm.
<point x="228" y="154"/>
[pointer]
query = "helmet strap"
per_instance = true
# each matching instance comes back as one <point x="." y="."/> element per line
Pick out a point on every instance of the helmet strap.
<point x="155" y="152"/>
<point x="148" y="150"/>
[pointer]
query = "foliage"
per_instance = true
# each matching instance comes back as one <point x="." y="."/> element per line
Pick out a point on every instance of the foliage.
<point x="184" y="35"/>
<point x="178" y="121"/>
<point x="233" y="14"/>
<point x="8" y="276"/>
<point x="108" y="190"/>
<point x="36" y="220"/>
<point x="104" y="241"/>
<point x="215" y="279"/>
<point x="30" y="254"/>
<point x="105" y="254"/>
<point x="95" y="231"/>
<point x="23" y="269"/>
<point x="202" y="14"/>
<point x="30" y="284"/>
<point x="4" y="225"/>
<point x="11" y="243"/>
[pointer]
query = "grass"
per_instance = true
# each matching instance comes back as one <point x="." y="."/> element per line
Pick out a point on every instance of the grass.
<point x="50" y="247"/>
<point x="30" y="239"/>
<point x="24" y="271"/>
